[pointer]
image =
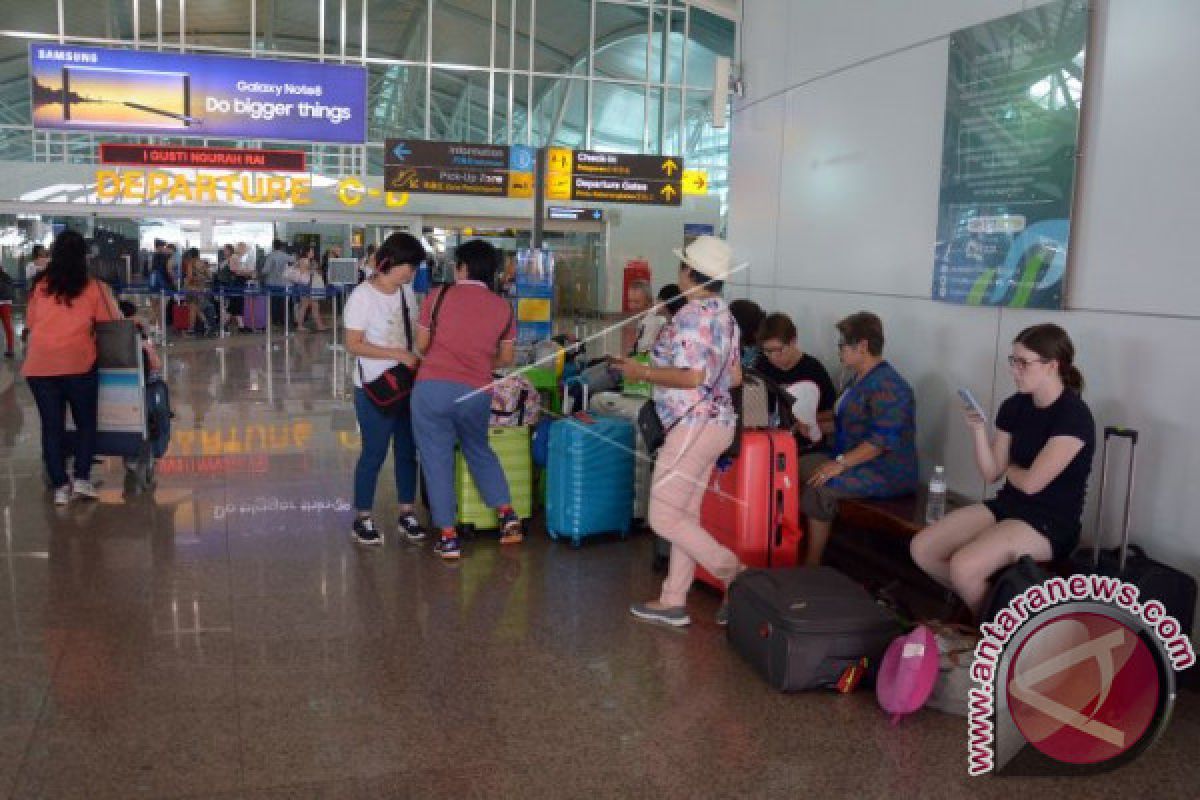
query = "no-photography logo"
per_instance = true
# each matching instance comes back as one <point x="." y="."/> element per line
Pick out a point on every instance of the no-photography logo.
<point x="1075" y="676"/>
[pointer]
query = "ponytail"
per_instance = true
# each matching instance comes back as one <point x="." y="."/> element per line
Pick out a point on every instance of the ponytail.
<point x="1072" y="378"/>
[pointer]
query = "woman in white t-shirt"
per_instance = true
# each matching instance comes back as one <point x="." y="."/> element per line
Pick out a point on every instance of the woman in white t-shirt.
<point x="380" y="321"/>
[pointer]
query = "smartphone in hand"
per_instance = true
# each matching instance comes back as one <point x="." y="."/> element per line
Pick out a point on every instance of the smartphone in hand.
<point x="970" y="403"/>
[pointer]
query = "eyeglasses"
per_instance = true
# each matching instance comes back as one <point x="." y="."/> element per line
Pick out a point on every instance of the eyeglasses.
<point x="1017" y="362"/>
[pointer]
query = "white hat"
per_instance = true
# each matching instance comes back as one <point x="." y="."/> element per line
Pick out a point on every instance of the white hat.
<point x="710" y="256"/>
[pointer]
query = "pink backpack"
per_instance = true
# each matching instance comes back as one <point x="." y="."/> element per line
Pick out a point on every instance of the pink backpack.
<point x="907" y="673"/>
<point x="515" y="402"/>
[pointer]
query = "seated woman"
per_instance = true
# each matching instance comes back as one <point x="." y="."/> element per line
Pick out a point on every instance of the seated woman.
<point x="786" y="366"/>
<point x="874" y="452"/>
<point x="1043" y="446"/>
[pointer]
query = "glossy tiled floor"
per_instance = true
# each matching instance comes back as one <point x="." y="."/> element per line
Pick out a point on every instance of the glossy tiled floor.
<point x="223" y="638"/>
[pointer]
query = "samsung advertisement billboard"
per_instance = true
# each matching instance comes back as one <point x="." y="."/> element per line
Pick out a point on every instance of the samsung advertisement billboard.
<point x="137" y="91"/>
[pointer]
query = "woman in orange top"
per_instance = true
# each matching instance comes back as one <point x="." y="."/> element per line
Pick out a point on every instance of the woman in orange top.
<point x="60" y="362"/>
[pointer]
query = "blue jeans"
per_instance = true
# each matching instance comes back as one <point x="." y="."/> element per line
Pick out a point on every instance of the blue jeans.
<point x="53" y="395"/>
<point x="439" y="422"/>
<point x="380" y="431"/>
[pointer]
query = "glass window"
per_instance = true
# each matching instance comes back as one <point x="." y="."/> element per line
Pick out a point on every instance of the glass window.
<point x="662" y="111"/>
<point x="83" y="18"/>
<point x="216" y="23"/>
<point x="459" y="105"/>
<point x="14" y="82"/>
<point x="666" y="47"/>
<point x="562" y="35"/>
<point x="621" y="42"/>
<point x="288" y="26"/>
<point x="396" y="98"/>
<point x="147" y="20"/>
<point x="618" y="117"/>
<point x="396" y="29"/>
<point x="40" y="17"/>
<point x="560" y="112"/>
<point x="710" y="36"/>
<point x="461" y="32"/>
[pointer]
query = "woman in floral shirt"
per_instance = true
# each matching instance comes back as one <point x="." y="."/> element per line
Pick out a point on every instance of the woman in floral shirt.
<point x="694" y="363"/>
<point x="874" y="433"/>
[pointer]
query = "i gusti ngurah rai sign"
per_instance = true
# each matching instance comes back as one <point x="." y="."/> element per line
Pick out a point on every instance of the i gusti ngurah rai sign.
<point x="205" y="188"/>
<point x="613" y="177"/>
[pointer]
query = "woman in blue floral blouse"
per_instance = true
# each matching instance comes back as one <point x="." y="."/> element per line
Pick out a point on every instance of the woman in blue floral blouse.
<point x="874" y="432"/>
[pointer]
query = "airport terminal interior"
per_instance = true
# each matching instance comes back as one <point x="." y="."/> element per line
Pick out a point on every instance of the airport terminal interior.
<point x="202" y="621"/>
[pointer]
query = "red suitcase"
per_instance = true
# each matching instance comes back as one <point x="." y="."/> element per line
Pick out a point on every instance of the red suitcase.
<point x="181" y="316"/>
<point x="753" y="508"/>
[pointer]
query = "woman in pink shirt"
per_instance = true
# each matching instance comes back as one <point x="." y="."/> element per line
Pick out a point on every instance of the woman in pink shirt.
<point x="60" y="362"/>
<point x="465" y="330"/>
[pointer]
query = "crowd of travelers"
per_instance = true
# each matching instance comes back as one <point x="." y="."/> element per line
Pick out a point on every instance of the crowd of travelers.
<point x="686" y="342"/>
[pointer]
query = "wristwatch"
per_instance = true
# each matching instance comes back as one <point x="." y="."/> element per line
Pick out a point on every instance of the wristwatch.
<point x="841" y="459"/>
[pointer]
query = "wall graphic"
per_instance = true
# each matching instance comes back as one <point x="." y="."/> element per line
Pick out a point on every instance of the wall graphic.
<point x="1008" y="158"/>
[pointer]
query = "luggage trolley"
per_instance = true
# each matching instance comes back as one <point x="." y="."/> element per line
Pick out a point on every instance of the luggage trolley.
<point x="133" y="417"/>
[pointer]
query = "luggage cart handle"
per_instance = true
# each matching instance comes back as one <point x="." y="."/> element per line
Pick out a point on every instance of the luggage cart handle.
<point x="1114" y="431"/>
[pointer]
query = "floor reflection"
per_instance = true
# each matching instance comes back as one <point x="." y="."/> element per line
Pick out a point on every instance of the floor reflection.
<point x="220" y="636"/>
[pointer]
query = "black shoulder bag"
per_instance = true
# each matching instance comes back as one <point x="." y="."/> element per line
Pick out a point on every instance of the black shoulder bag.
<point x="391" y="390"/>
<point x="650" y="424"/>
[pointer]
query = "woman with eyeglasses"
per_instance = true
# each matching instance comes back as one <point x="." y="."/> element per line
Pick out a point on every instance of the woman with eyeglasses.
<point x="1043" y="445"/>
<point x="874" y="434"/>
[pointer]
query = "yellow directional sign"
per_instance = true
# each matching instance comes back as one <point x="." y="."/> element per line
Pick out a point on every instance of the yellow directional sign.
<point x="559" y="159"/>
<point x="613" y="177"/>
<point x="558" y="186"/>
<point x="520" y="184"/>
<point x="695" y="181"/>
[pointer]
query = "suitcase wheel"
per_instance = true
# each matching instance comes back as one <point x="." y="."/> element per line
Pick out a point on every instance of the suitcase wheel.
<point x="576" y="542"/>
<point x="553" y="536"/>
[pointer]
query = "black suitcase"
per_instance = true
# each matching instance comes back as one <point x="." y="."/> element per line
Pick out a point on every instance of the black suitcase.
<point x="1156" y="581"/>
<point x="801" y="628"/>
<point x="1010" y="582"/>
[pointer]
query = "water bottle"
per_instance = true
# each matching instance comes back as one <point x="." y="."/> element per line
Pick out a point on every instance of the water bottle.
<point x="935" y="504"/>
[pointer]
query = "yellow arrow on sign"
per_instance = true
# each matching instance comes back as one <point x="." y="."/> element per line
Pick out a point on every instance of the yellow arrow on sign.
<point x="669" y="167"/>
<point x="695" y="181"/>
<point x="668" y="191"/>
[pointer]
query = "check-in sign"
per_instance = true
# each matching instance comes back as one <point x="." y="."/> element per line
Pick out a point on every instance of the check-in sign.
<point x="613" y="177"/>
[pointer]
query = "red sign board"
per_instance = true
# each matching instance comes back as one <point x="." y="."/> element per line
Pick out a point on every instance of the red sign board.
<point x="231" y="158"/>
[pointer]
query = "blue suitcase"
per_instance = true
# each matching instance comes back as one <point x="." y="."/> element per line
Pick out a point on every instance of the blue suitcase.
<point x="589" y="478"/>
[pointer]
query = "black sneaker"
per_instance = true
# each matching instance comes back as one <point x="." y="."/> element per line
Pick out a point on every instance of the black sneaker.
<point x="365" y="532"/>
<point x="410" y="526"/>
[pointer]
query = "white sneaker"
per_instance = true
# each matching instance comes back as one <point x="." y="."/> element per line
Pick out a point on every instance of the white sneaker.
<point x="62" y="495"/>
<point x="85" y="490"/>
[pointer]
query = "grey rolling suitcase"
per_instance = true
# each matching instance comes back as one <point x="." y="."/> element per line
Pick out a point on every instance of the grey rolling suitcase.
<point x="802" y="628"/>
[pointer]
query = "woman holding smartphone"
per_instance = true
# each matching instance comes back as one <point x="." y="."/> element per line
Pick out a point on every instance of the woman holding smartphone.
<point x="1043" y="445"/>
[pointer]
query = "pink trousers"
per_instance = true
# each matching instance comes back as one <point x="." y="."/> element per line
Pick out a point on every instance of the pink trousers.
<point x="681" y="474"/>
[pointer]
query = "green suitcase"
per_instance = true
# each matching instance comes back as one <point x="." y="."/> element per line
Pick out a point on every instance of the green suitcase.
<point x="511" y="445"/>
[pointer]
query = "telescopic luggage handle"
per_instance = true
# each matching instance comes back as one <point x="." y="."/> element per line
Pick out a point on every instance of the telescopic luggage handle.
<point x="1114" y="431"/>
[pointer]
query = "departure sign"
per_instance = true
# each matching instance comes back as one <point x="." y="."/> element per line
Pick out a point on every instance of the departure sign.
<point x="482" y="170"/>
<point x="613" y="177"/>
<point x="227" y="158"/>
